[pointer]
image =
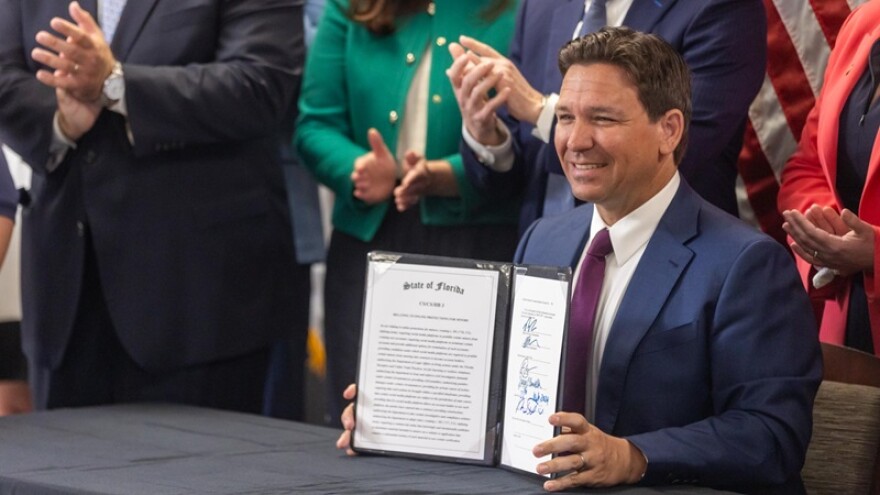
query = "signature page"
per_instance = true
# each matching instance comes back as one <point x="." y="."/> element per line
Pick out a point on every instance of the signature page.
<point x="537" y="328"/>
<point x="424" y="370"/>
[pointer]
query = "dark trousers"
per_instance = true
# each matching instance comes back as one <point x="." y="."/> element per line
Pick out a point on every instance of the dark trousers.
<point x="858" y="325"/>
<point x="286" y="380"/>
<point x="345" y="281"/>
<point x="97" y="370"/>
<point x="13" y="365"/>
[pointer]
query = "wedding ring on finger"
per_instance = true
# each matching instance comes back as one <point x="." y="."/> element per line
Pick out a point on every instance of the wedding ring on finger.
<point x="583" y="463"/>
<point x="816" y="254"/>
<point x="75" y="68"/>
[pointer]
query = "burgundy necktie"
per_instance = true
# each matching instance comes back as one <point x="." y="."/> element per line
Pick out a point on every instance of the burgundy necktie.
<point x="580" y="326"/>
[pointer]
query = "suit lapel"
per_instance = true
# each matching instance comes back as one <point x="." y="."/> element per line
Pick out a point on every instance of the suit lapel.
<point x="133" y="18"/>
<point x="581" y="228"/>
<point x="564" y="241"/>
<point x="663" y="262"/>
<point x="565" y="18"/>
<point x="643" y="15"/>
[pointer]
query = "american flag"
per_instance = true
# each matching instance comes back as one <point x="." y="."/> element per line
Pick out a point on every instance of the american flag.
<point x="800" y="34"/>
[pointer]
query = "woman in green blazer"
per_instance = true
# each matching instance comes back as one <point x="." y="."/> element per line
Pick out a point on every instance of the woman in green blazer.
<point x="379" y="125"/>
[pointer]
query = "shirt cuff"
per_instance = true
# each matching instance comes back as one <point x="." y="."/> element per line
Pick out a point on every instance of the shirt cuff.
<point x="59" y="145"/>
<point x="119" y="106"/>
<point x="122" y="109"/>
<point x="545" y="119"/>
<point x="498" y="158"/>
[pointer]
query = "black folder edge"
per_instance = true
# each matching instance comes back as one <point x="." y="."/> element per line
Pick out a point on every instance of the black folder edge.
<point x="498" y="368"/>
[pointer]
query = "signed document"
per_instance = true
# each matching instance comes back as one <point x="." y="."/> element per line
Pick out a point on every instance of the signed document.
<point x="538" y="321"/>
<point x="460" y="359"/>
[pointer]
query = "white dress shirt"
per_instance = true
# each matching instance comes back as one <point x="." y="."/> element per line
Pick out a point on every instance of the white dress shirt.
<point x="629" y="238"/>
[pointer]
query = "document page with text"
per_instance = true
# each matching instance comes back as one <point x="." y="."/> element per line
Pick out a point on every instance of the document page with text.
<point x="426" y="360"/>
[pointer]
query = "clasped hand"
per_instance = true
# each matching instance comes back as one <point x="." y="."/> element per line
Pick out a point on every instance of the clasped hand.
<point x="588" y="456"/>
<point x="80" y="60"/>
<point x="478" y="69"/>
<point x="823" y="237"/>
<point x="375" y="175"/>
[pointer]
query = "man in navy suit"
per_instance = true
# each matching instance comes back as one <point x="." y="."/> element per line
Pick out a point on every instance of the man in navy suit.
<point x="722" y="41"/>
<point x="704" y="358"/>
<point x="157" y="253"/>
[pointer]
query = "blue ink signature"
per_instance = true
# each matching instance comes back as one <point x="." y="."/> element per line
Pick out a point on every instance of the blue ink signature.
<point x="529" y="328"/>
<point x="531" y="398"/>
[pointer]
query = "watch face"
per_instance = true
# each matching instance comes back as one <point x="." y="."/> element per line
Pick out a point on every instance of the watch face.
<point x="113" y="88"/>
<point x="114" y="85"/>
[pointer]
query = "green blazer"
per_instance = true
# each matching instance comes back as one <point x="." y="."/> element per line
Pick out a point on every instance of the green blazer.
<point x="355" y="80"/>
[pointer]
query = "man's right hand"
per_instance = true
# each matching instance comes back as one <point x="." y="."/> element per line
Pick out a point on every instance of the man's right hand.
<point x="79" y="55"/>
<point x="347" y="418"/>
<point x="472" y="79"/>
<point x="524" y="102"/>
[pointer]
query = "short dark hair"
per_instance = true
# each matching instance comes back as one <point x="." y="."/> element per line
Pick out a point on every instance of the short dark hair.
<point x="658" y="72"/>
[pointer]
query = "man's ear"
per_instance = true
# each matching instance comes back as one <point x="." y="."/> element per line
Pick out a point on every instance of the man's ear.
<point x="671" y="130"/>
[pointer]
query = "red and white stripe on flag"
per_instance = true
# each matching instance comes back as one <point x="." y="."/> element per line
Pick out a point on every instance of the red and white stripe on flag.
<point x="800" y="34"/>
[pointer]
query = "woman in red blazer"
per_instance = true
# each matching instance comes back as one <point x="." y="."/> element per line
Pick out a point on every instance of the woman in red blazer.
<point x="830" y="194"/>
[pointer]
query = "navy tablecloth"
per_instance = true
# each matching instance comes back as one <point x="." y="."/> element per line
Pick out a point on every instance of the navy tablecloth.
<point x="170" y="449"/>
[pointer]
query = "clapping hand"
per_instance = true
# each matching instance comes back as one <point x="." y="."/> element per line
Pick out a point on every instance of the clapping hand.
<point x="472" y="79"/>
<point x="81" y="60"/>
<point x="375" y="173"/>
<point x="823" y="237"/>
<point x="416" y="181"/>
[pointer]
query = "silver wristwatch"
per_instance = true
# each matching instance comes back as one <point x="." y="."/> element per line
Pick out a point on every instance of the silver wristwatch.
<point x="114" y="86"/>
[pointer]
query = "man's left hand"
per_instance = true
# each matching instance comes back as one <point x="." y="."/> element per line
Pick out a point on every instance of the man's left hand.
<point x="596" y="459"/>
<point x="74" y="116"/>
<point x="15" y="397"/>
<point x="80" y="57"/>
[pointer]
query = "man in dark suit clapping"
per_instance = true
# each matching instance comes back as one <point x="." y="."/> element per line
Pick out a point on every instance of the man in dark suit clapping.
<point x="157" y="257"/>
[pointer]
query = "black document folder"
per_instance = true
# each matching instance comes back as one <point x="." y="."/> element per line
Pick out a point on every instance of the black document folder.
<point x="460" y="359"/>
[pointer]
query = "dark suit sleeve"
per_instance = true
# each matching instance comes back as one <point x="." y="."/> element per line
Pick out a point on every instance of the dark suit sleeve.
<point x="725" y="47"/>
<point x="242" y="94"/>
<point x="26" y="105"/>
<point x="765" y="369"/>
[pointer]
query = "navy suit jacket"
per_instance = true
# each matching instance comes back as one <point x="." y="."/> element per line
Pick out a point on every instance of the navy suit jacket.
<point x="713" y="361"/>
<point x="189" y="225"/>
<point x="724" y="43"/>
